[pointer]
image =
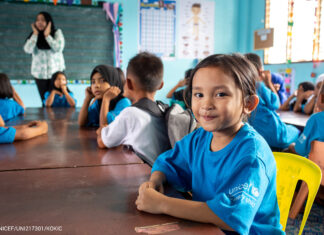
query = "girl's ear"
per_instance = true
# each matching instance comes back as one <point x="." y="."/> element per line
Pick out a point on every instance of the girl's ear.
<point x="251" y="103"/>
<point x="160" y="87"/>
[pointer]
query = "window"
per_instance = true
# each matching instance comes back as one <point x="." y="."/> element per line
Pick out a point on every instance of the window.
<point x="298" y="32"/>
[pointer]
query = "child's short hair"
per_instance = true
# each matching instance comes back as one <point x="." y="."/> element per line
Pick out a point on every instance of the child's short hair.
<point x="148" y="69"/>
<point x="5" y="87"/>
<point x="236" y="66"/>
<point x="307" y="86"/>
<point x="196" y="5"/>
<point x="121" y="75"/>
<point x="255" y="60"/>
<point x="188" y="73"/>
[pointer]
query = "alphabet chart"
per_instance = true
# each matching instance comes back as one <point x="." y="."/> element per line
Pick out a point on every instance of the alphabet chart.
<point x="157" y="27"/>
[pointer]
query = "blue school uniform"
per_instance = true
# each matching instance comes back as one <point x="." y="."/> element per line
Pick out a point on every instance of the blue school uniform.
<point x="7" y="135"/>
<point x="266" y="121"/>
<point x="312" y="131"/>
<point x="59" y="101"/>
<point x="238" y="182"/>
<point x="10" y="109"/>
<point x="94" y="111"/>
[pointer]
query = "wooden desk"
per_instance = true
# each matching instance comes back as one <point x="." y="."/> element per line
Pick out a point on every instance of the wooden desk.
<point x="65" y="145"/>
<point x="297" y="119"/>
<point x="84" y="200"/>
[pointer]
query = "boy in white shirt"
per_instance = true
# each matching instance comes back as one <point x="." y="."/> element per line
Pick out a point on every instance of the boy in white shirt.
<point x="145" y="132"/>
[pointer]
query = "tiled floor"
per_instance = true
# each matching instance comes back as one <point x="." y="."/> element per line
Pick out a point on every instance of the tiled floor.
<point x="314" y="224"/>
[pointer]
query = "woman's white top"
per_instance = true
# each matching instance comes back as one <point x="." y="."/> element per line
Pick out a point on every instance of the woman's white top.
<point x="46" y="62"/>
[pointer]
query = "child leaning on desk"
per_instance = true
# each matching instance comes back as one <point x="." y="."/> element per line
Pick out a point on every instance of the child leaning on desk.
<point x="226" y="164"/>
<point x="313" y="129"/>
<point x="11" y="104"/>
<point x="21" y="132"/>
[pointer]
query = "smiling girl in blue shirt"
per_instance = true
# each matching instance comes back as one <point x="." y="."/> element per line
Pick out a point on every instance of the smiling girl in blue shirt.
<point x="59" y="94"/>
<point x="226" y="164"/>
<point x="10" y="103"/>
<point x="104" y="98"/>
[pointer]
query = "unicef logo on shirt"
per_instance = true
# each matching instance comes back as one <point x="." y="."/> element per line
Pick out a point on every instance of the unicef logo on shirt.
<point x="255" y="191"/>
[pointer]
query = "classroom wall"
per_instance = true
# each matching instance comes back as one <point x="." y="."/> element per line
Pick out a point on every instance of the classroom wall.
<point x="253" y="11"/>
<point x="226" y="41"/>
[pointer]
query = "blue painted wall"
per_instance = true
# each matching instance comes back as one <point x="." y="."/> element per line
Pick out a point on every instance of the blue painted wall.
<point x="226" y="38"/>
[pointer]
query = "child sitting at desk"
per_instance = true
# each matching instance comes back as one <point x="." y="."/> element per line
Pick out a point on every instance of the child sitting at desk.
<point x="226" y="164"/>
<point x="299" y="97"/>
<point x="309" y="106"/>
<point x="106" y="94"/>
<point x="21" y="132"/>
<point x="313" y="129"/>
<point x="59" y="95"/>
<point x="146" y="133"/>
<point x="10" y="103"/>
<point x="177" y="92"/>
<point x="264" y="118"/>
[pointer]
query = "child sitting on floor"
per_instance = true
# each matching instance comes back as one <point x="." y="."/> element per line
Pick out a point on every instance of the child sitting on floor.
<point x="226" y="164"/>
<point x="146" y="133"/>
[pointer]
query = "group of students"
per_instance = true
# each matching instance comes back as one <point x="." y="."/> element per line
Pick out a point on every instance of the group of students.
<point x="227" y="163"/>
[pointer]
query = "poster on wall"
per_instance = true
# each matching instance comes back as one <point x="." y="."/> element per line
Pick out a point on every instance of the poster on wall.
<point x="157" y="27"/>
<point x="289" y="78"/>
<point x="196" y="31"/>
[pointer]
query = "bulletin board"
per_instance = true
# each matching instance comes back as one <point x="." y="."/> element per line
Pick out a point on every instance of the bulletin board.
<point x="196" y="31"/>
<point x="88" y="37"/>
<point x="157" y="27"/>
<point x="263" y="38"/>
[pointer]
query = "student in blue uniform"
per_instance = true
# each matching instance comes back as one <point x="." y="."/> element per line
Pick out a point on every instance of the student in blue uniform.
<point x="22" y="132"/>
<point x="59" y="94"/>
<point x="264" y="118"/>
<point x="11" y="104"/>
<point x="106" y="95"/>
<point x="279" y="84"/>
<point x="226" y="164"/>
<point x="313" y="130"/>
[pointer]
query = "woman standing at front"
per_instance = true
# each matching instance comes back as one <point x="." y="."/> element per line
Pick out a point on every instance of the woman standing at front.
<point x="46" y="45"/>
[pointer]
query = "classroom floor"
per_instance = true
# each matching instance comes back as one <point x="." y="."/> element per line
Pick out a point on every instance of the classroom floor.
<point x="314" y="224"/>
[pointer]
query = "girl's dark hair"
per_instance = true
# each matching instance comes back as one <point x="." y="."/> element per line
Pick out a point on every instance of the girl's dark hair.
<point x="111" y="75"/>
<point x="5" y="87"/>
<point x="53" y="78"/>
<point x="307" y="86"/>
<point x="41" y="41"/>
<point x="236" y="66"/>
<point x="188" y="73"/>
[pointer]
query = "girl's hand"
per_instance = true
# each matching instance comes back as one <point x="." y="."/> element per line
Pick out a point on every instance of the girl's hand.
<point x="64" y="88"/>
<point x="111" y="93"/>
<point x="153" y="185"/>
<point x="89" y="93"/>
<point x="35" y="31"/>
<point x="47" y="30"/>
<point x="150" y="200"/>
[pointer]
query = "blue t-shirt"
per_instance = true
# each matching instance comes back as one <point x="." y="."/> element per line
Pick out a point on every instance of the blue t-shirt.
<point x="59" y="101"/>
<point x="10" y="109"/>
<point x="94" y="111"/>
<point x="266" y="121"/>
<point x="7" y="135"/>
<point x="278" y="79"/>
<point x="238" y="182"/>
<point x="313" y="131"/>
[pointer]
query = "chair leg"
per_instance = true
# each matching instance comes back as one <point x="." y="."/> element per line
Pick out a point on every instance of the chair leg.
<point x="299" y="201"/>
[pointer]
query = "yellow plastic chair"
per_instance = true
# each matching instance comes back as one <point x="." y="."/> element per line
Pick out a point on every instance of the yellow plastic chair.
<point x="290" y="169"/>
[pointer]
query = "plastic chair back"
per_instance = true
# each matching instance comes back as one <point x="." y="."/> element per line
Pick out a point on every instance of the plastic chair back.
<point x="290" y="169"/>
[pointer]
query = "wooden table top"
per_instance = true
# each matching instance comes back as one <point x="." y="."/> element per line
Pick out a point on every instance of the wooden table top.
<point x="65" y="145"/>
<point x="84" y="200"/>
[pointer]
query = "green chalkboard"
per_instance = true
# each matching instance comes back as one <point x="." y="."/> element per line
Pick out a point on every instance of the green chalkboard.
<point x="88" y="37"/>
